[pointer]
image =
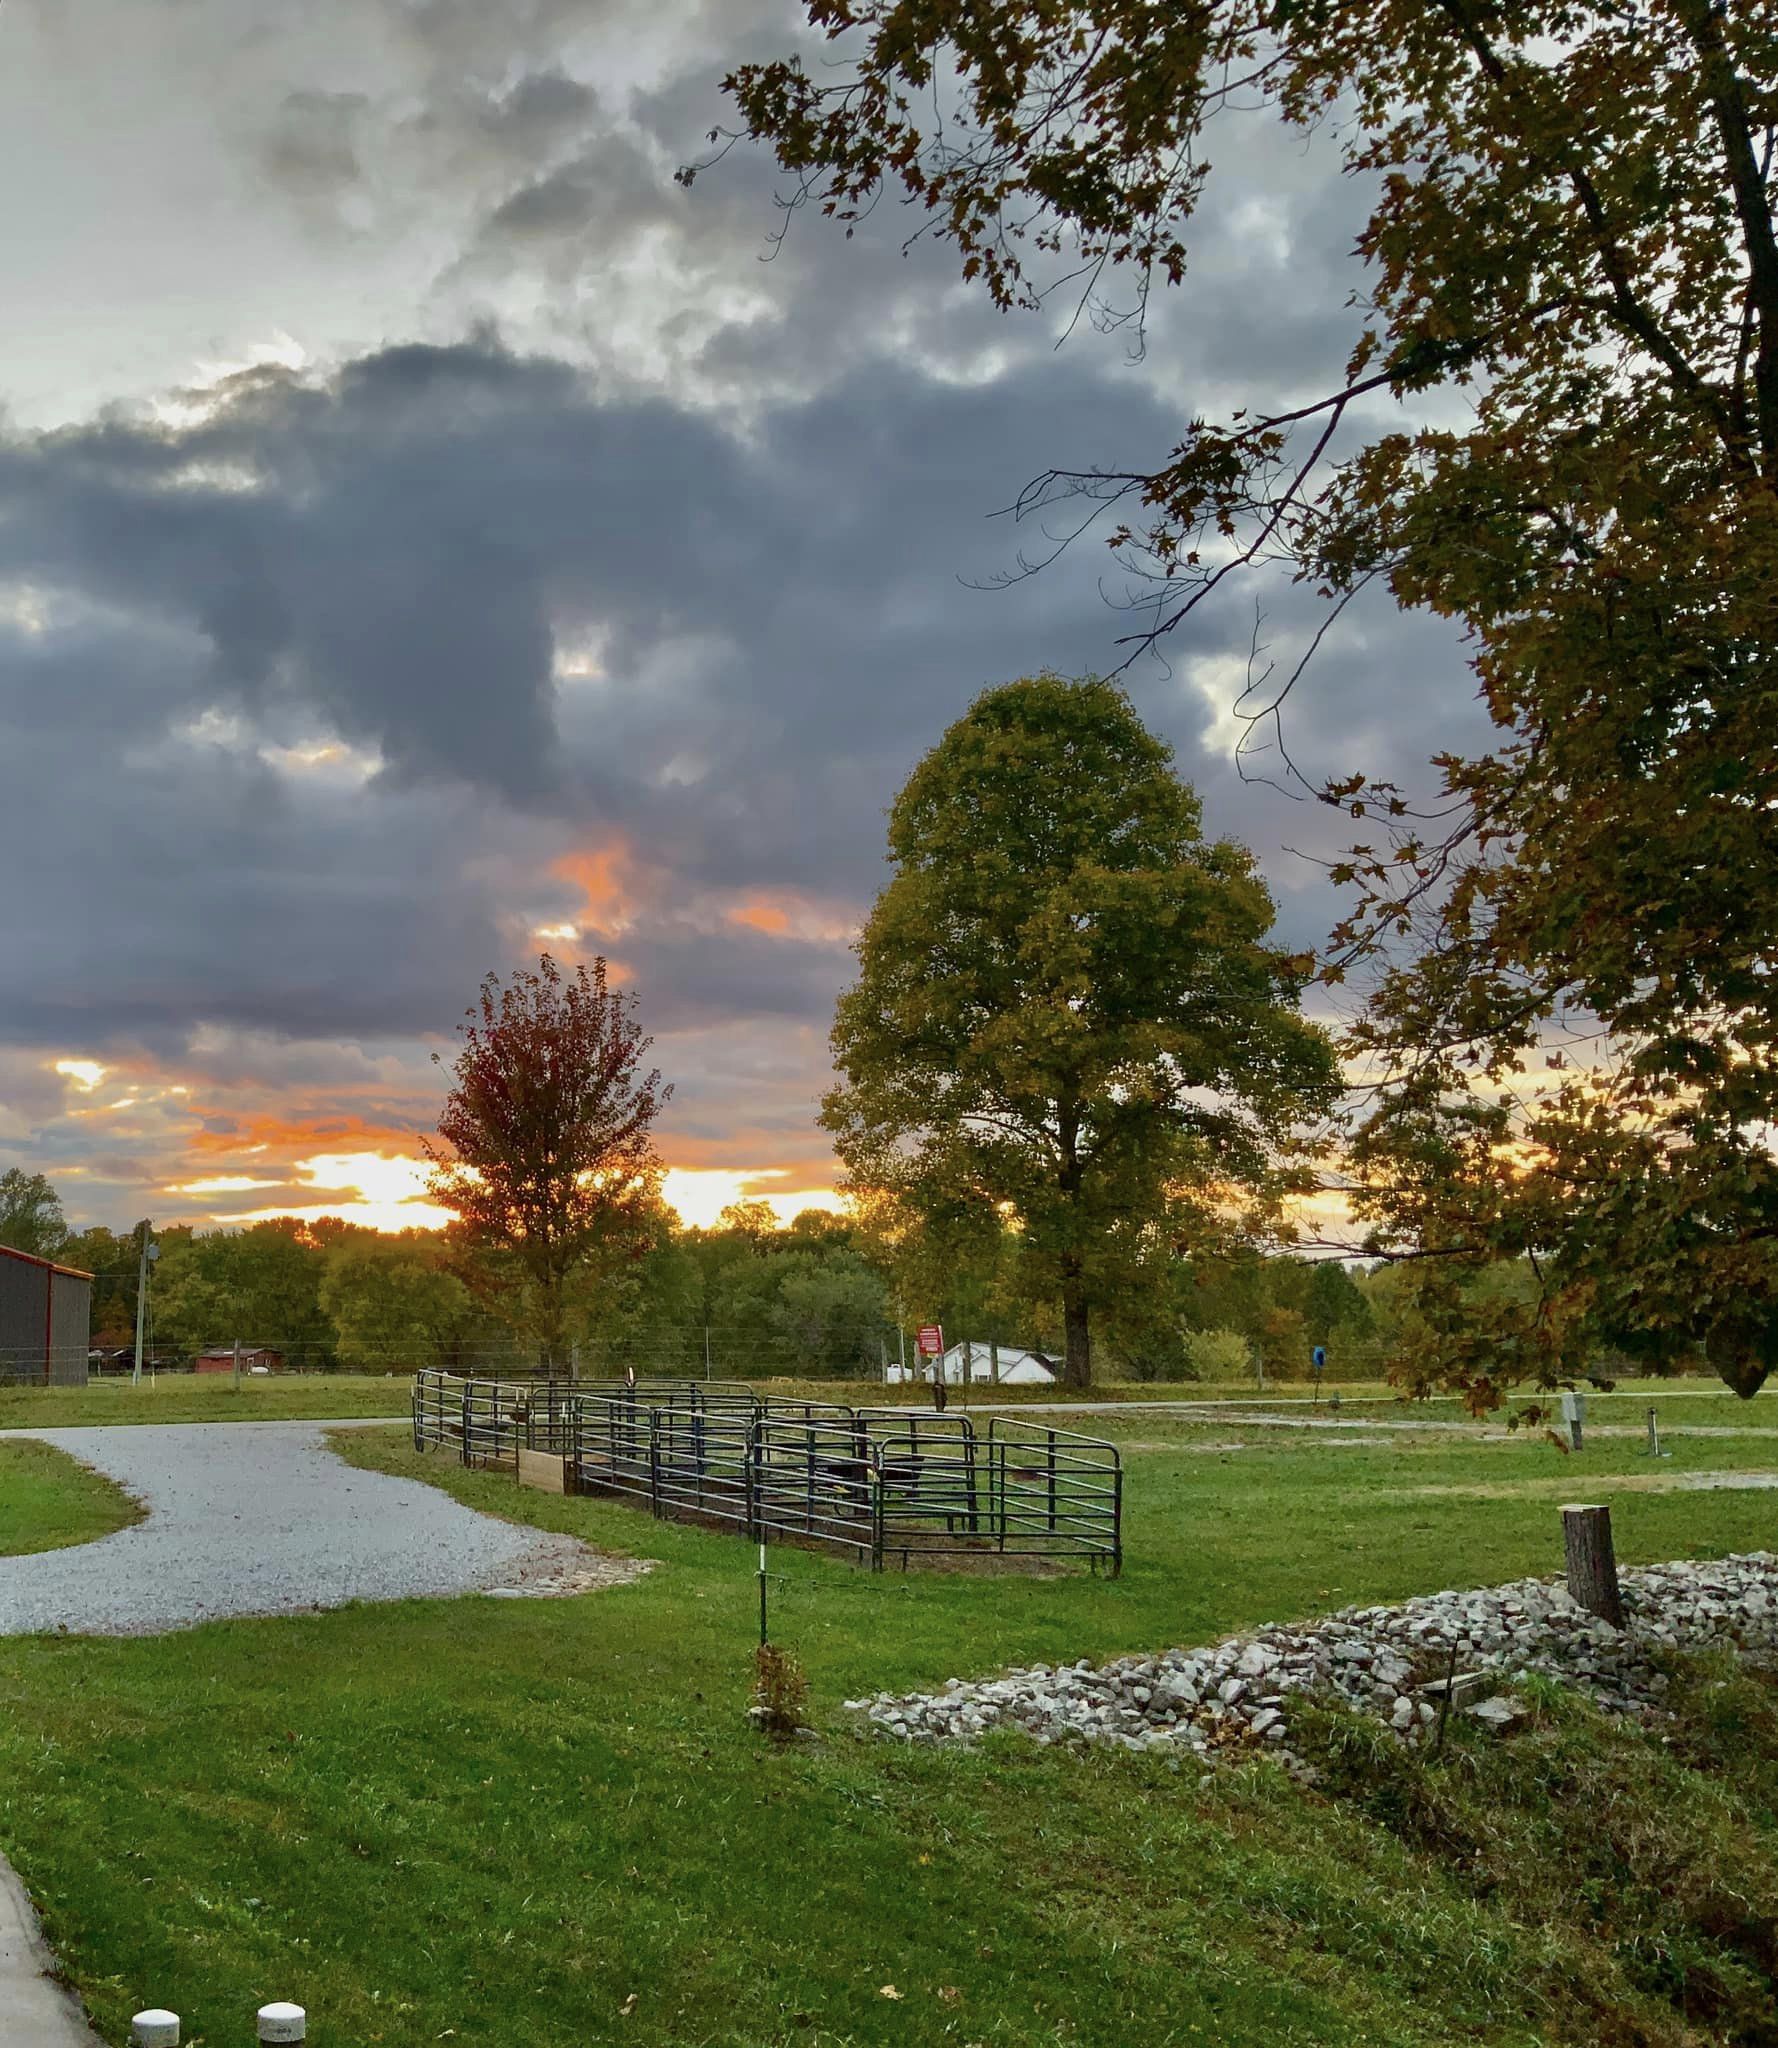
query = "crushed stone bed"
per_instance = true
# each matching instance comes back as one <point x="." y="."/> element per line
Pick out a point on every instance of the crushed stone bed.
<point x="1390" y="1662"/>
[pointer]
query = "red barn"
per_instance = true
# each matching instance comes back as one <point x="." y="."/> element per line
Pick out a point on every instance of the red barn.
<point x="261" y="1358"/>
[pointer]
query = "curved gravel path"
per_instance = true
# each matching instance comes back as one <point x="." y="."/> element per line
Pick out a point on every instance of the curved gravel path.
<point x="262" y="1518"/>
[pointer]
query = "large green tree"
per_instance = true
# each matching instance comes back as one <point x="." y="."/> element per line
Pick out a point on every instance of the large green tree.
<point x="393" y="1304"/>
<point x="1571" y="236"/>
<point x="1067" y="1011"/>
<point x="829" y="1313"/>
<point x="261" y="1285"/>
<point x="31" y="1218"/>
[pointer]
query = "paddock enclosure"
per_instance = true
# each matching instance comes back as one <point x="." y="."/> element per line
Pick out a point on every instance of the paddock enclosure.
<point x="877" y="1484"/>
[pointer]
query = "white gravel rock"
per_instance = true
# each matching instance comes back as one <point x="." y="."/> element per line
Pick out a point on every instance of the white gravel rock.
<point x="1387" y="1661"/>
<point x="250" y="1518"/>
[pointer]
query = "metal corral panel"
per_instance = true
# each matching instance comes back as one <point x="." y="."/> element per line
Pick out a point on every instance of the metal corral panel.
<point x="45" y="1320"/>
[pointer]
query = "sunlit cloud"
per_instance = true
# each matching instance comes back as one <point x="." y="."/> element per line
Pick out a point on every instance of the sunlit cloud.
<point x="567" y="933"/>
<point x="763" y="917"/>
<point x="699" y="1194"/>
<point x="223" y="1184"/>
<point x="386" y="1192"/>
<point x="792" y="915"/>
<point x="210" y="387"/>
<point x="601" y="875"/>
<point x="327" y="760"/>
<point x="576" y="662"/>
<point x="85" y="1074"/>
<point x="25" y="608"/>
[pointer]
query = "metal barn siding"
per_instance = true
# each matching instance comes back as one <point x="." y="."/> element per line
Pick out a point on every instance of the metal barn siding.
<point x="46" y="1314"/>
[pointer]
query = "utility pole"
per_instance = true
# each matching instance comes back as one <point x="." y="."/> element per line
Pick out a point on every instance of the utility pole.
<point x="149" y="1251"/>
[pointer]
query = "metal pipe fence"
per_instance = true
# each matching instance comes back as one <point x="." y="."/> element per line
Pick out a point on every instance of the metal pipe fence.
<point x="875" y="1484"/>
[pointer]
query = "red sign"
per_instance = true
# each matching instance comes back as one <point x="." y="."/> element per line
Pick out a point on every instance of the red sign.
<point x="931" y="1341"/>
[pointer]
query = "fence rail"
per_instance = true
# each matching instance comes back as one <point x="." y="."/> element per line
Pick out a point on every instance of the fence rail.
<point x="874" y="1483"/>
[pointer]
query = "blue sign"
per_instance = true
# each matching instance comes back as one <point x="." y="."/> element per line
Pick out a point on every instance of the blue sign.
<point x="1318" y="1357"/>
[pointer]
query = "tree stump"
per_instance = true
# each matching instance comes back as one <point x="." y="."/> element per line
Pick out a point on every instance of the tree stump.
<point x="1592" y="1564"/>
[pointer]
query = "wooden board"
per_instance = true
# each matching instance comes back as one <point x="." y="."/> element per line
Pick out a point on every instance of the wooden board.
<point x="546" y="1470"/>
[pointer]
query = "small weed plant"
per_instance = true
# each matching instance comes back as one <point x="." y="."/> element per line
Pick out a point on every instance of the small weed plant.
<point x="780" y="1690"/>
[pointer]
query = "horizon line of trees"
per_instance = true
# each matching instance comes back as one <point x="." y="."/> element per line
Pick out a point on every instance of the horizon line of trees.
<point x="816" y="1298"/>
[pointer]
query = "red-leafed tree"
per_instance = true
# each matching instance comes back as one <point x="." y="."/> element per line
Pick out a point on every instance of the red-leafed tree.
<point x="545" y="1148"/>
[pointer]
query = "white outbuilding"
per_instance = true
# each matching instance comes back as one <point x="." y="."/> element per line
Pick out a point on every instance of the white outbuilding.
<point x="978" y="1364"/>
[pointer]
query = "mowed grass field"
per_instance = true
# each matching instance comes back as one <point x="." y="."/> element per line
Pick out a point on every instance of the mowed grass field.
<point x="522" y="1824"/>
<point x="187" y="1397"/>
<point x="206" y="1397"/>
<point x="48" y="1501"/>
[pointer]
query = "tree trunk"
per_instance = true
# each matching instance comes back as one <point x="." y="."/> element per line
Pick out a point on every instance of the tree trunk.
<point x="1076" y="1328"/>
<point x="1076" y="1335"/>
<point x="552" y="1322"/>
<point x="1592" y="1564"/>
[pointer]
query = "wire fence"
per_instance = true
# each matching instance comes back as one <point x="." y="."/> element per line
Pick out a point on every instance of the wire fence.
<point x="42" y="1365"/>
<point x="875" y="1484"/>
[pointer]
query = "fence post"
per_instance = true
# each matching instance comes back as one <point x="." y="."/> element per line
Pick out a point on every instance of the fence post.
<point x="1592" y="1564"/>
<point x="997" y="1484"/>
<point x="155" y="2029"/>
<point x="1052" y="1481"/>
<point x="283" y="2022"/>
<point x="654" y="1460"/>
<point x="750" y="1478"/>
<point x="468" y="1393"/>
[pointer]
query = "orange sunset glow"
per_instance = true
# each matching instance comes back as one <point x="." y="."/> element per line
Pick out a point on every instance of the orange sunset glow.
<point x="218" y="1154"/>
<point x="387" y="1191"/>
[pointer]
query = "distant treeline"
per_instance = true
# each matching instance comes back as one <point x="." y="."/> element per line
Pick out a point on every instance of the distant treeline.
<point x="820" y="1298"/>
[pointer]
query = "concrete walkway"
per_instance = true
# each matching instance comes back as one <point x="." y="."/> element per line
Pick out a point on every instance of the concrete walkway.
<point x="36" y="2009"/>
<point x="257" y="1518"/>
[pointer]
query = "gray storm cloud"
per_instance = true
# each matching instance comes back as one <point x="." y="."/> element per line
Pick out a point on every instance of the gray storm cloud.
<point x="582" y="528"/>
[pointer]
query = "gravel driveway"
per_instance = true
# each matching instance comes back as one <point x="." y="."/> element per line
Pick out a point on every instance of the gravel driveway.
<point x="262" y="1518"/>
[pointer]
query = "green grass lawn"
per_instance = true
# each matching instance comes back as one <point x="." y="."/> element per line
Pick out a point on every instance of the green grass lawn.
<point x="185" y="1397"/>
<point x="48" y="1501"/>
<point x="191" y="1397"/>
<point x="522" y="1824"/>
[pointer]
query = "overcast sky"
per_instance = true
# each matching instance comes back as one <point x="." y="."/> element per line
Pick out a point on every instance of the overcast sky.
<point x="425" y="527"/>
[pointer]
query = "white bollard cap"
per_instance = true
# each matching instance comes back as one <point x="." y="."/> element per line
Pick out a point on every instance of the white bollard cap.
<point x="155" y="2029"/>
<point x="283" y="2023"/>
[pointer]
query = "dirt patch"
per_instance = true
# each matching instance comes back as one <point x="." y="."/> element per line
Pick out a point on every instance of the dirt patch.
<point x="1183" y="1450"/>
<point x="562" y="1566"/>
<point x="1627" y="1482"/>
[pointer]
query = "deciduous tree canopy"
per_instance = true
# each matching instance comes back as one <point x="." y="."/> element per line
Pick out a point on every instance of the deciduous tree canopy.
<point x="1066" y="1008"/>
<point x="31" y="1218"/>
<point x="546" y="1153"/>
<point x="1573" y="234"/>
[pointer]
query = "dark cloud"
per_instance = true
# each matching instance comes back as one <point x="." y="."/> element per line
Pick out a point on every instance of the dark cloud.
<point x="311" y="145"/>
<point x="611" y="188"/>
<point x="398" y="558"/>
<point x="539" y="109"/>
<point x="321" y="694"/>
